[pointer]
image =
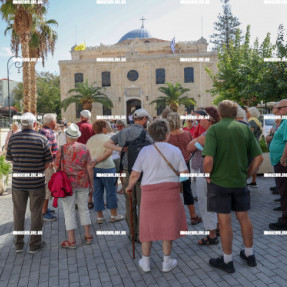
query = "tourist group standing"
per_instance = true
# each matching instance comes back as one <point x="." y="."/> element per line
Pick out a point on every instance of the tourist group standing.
<point x="155" y="159"/>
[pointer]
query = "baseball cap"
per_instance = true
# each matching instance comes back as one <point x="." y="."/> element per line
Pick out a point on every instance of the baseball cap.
<point x="140" y="113"/>
<point x="27" y="119"/>
<point x="86" y="114"/>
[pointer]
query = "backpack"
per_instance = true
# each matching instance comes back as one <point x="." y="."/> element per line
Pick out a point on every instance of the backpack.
<point x="134" y="148"/>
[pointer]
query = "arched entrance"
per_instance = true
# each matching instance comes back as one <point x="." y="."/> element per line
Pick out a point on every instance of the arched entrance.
<point x="132" y="105"/>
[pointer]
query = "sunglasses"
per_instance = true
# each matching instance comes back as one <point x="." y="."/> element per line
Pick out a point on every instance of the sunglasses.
<point x="279" y="108"/>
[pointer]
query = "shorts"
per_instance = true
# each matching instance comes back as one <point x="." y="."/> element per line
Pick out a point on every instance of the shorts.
<point x="48" y="174"/>
<point x="223" y="200"/>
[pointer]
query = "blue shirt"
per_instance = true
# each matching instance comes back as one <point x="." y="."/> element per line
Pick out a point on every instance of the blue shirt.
<point x="278" y="143"/>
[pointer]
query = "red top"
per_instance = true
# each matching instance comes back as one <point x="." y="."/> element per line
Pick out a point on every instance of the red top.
<point x="86" y="129"/>
<point x="199" y="130"/>
<point x="181" y="141"/>
<point x="191" y="130"/>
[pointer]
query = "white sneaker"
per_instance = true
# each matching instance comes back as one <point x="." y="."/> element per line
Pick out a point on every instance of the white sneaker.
<point x="169" y="265"/>
<point x="118" y="217"/>
<point x="144" y="265"/>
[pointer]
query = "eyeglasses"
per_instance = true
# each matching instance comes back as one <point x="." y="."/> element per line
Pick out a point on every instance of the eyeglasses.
<point x="190" y="121"/>
<point x="119" y="126"/>
<point x="279" y="108"/>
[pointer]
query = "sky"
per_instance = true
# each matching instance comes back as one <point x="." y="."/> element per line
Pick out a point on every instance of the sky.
<point x="92" y="23"/>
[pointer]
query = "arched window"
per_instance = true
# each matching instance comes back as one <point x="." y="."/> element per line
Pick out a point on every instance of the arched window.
<point x="160" y="76"/>
<point x="107" y="111"/>
<point x="188" y="75"/>
<point x="106" y="79"/>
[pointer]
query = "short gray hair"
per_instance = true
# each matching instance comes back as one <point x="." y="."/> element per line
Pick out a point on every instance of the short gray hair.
<point x="228" y="109"/>
<point x="174" y="121"/>
<point x="158" y="130"/>
<point x="48" y="118"/>
<point x="120" y="122"/>
<point x="241" y="114"/>
<point x="253" y="112"/>
<point x="165" y="113"/>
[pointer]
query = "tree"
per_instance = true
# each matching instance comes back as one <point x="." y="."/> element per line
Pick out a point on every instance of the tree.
<point x="20" y="17"/>
<point x="245" y="76"/>
<point x="225" y="27"/>
<point x="42" y="41"/>
<point x="87" y="95"/>
<point x="48" y="91"/>
<point x="173" y="97"/>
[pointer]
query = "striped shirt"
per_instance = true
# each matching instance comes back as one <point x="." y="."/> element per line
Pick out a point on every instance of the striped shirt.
<point x="50" y="135"/>
<point x="29" y="153"/>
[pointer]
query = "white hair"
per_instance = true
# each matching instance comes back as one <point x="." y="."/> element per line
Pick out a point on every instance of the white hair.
<point x="253" y="112"/>
<point x="241" y="114"/>
<point x="48" y="118"/>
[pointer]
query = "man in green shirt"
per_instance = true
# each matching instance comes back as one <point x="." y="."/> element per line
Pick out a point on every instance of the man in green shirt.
<point x="228" y="145"/>
<point x="278" y="155"/>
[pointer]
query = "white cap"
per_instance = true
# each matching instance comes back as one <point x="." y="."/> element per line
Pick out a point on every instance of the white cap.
<point x="86" y="114"/>
<point x="73" y="131"/>
<point x="27" y="119"/>
<point x="140" y="113"/>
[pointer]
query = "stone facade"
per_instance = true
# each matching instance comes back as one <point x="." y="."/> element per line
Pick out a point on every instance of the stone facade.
<point x="144" y="56"/>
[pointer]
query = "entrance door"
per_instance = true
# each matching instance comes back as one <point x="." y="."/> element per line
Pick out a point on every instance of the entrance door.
<point x="132" y="105"/>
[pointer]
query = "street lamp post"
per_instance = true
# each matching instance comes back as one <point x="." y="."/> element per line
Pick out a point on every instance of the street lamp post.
<point x="18" y="65"/>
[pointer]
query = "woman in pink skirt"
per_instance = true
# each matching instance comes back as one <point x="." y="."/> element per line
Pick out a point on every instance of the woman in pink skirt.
<point x="162" y="215"/>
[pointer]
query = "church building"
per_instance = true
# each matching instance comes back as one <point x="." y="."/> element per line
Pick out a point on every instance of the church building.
<point x="131" y="71"/>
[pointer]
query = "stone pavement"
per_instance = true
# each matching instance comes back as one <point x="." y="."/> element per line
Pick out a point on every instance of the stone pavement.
<point x="108" y="261"/>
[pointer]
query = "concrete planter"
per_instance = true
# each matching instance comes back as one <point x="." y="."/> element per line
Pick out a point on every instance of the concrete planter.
<point x="266" y="166"/>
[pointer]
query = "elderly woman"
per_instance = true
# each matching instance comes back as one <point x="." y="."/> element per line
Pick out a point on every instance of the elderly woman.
<point x="77" y="164"/>
<point x="162" y="215"/>
<point x="241" y="116"/>
<point x="256" y="127"/>
<point x="103" y="164"/>
<point x="180" y="139"/>
<point x="190" y="126"/>
<point x="14" y="129"/>
<point x="209" y="218"/>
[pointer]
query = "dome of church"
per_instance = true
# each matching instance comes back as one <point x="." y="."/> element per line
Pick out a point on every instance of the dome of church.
<point x="137" y="33"/>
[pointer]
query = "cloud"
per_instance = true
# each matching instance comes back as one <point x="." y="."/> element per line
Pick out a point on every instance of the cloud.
<point x="5" y="52"/>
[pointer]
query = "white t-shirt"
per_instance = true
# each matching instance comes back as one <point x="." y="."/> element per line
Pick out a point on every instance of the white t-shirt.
<point x="95" y="144"/>
<point x="155" y="168"/>
<point x="62" y="138"/>
<point x="115" y="154"/>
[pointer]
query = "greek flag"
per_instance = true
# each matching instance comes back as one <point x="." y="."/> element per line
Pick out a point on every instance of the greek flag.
<point x="172" y="44"/>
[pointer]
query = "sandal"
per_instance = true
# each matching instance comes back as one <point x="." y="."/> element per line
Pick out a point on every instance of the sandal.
<point x="117" y="218"/>
<point x="89" y="239"/>
<point x="68" y="244"/>
<point x="100" y="220"/>
<point x="90" y="205"/>
<point x="195" y="220"/>
<point x="208" y="241"/>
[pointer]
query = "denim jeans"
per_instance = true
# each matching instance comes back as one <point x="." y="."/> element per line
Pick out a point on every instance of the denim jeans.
<point x="105" y="183"/>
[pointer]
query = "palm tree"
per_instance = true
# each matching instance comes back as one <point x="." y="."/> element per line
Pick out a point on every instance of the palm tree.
<point x="19" y="16"/>
<point x="87" y="94"/>
<point x="42" y="41"/>
<point x="173" y="97"/>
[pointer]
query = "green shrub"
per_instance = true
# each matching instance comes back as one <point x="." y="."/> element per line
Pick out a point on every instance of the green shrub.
<point x="5" y="168"/>
<point x="263" y="145"/>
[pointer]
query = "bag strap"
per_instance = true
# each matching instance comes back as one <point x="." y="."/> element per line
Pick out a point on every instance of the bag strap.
<point x="60" y="167"/>
<point x="169" y="164"/>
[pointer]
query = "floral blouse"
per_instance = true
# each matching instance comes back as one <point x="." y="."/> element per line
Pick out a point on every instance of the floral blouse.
<point x="76" y="157"/>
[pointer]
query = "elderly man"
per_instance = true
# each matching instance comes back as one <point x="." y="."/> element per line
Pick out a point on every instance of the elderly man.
<point x="30" y="154"/>
<point x="278" y="155"/>
<point x="50" y="122"/>
<point x="85" y="127"/>
<point x="228" y="145"/>
<point x="117" y="142"/>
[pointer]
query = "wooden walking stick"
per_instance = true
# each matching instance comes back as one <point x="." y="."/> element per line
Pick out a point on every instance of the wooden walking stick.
<point x="132" y="225"/>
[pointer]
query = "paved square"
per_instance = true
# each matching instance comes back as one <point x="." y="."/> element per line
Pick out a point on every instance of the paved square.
<point x="108" y="260"/>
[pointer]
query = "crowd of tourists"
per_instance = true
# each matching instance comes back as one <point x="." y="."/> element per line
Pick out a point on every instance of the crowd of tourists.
<point x="156" y="158"/>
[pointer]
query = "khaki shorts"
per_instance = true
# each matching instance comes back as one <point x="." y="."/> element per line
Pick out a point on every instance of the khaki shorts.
<point x="48" y="174"/>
